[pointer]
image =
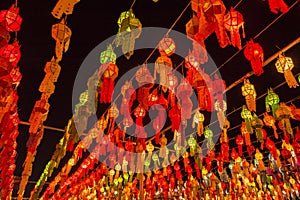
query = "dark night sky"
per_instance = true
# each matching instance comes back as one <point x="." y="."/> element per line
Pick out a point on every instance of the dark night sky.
<point x="94" y="21"/>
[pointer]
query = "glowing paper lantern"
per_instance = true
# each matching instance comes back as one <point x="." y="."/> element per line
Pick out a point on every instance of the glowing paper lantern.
<point x="208" y="134"/>
<point x="272" y="100"/>
<point x="255" y="54"/>
<point x="248" y="91"/>
<point x="163" y="66"/>
<point x="11" y="19"/>
<point x="240" y="141"/>
<point x="283" y="114"/>
<point x="221" y="109"/>
<point x="247" y="116"/>
<point x="4" y="35"/>
<point x="192" y="27"/>
<point x="129" y="29"/>
<point x="109" y="72"/>
<point x="198" y="119"/>
<point x="192" y="142"/>
<point x="233" y="21"/>
<point x="12" y="52"/>
<point x="285" y="65"/>
<point x="270" y="121"/>
<point x="62" y="34"/>
<point x="108" y="55"/>
<point x="166" y="46"/>
<point x="257" y="124"/>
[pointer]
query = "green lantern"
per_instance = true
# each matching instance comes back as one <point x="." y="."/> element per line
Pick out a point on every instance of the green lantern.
<point x="299" y="79"/>
<point x="192" y="142"/>
<point x="208" y="134"/>
<point x="247" y="116"/>
<point x="272" y="100"/>
<point x="108" y="55"/>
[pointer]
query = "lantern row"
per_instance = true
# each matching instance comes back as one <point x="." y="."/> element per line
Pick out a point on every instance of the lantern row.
<point x="62" y="34"/>
<point x="10" y="76"/>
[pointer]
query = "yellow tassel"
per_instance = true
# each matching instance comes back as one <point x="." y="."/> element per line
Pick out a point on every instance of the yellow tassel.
<point x="290" y="79"/>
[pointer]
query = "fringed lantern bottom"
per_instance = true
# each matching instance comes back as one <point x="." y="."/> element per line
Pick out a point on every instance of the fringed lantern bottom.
<point x="290" y="79"/>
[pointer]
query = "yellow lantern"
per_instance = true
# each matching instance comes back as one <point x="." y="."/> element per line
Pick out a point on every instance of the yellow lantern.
<point x="285" y="65"/>
<point x="248" y="91"/>
<point x="111" y="175"/>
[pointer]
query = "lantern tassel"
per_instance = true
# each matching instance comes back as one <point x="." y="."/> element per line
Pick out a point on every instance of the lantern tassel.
<point x="251" y="102"/>
<point x="290" y="79"/>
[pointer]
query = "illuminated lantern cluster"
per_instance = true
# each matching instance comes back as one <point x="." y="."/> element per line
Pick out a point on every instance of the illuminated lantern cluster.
<point x="130" y="29"/>
<point x="233" y="21"/>
<point x="285" y="65"/>
<point x="248" y="91"/>
<point x="255" y="54"/>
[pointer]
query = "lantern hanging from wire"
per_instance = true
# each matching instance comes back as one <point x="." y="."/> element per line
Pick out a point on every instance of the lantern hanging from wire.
<point x="255" y="54"/>
<point x="11" y="52"/>
<point x="163" y="66"/>
<point x="272" y="100"/>
<point x="108" y="55"/>
<point x="221" y="109"/>
<point x="172" y="82"/>
<point x="208" y="134"/>
<point x="146" y="82"/>
<point x="233" y="21"/>
<point x="159" y="121"/>
<point x="285" y="65"/>
<point x="247" y="116"/>
<point x="192" y="27"/>
<point x="283" y="114"/>
<point x="257" y="124"/>
<point x="270" y="121"/>
<point x="130" y="29"/>
<point x="108" y="73"/>
<point x="198" y="119"/>
<point x="248" y="91"/>
<point x="62" y="34"/>
<point x="166" y="46"/>
<point x="140" y="113"/>
<point x="278" y="5"/>
<point x="11" y="18"/>
<point x="184" y="92"/>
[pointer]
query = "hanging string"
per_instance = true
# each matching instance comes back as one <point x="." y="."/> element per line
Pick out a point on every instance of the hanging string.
<point x="261" y="32"/>
<point x="132" y="4"/>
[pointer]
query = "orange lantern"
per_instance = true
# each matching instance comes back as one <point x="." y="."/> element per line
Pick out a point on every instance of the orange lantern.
<point x="248" y="91"/>
<point x="270" y="121"/>
<point x="63" y="7"/>
<point x="233" y="21"/>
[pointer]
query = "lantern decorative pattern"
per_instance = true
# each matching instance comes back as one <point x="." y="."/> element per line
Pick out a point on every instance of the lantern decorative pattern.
<point x="255" y="54"/>
<point x="11" y="52"/>
<point x="233" y="21"/>
<point x="272" y="100"/>
<point x="285" y="65"/>
<point x="62" y="34"/>
<point x="130" y="29"/>
<point x="248" y="91"/>
<point x="11" y="18"/>
<point x="63" y="7"/>
<point x="166" y="46"/>
<point x="108" y="55"/>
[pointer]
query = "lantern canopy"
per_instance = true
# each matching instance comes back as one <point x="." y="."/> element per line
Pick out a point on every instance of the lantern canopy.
<point x="285" y="65"/>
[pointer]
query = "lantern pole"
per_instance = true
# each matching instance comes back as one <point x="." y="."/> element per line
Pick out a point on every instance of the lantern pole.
<point x="270" y="59"/>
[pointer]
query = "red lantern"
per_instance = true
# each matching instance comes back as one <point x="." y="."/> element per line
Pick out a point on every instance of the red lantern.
<point x="233" y="21"/>
<point x="184" y="92"/>
<point x="12" y="19"/>
<point x="12" y="52"/>
<point x="166" y="46"/>
<point x="175" y="116"/>
<point x="234" y="154"/>
<point x="109" y="72"/>
<point x="255" y="54"/>
<point x="140" y="113"/>
<point x="240" y="141"/>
